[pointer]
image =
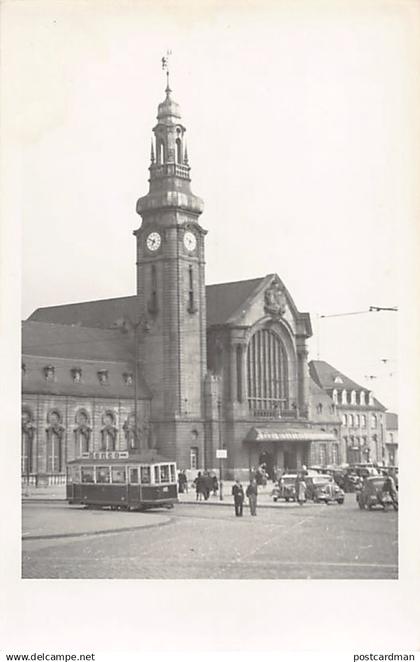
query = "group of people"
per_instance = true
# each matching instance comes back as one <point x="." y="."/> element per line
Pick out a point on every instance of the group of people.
<point x="239" y="497"/>
<point x="204" y="484"/>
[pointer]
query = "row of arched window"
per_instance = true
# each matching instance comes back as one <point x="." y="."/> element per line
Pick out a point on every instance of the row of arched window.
<point x="81" y="429"/>
<point x="359" y="421"/>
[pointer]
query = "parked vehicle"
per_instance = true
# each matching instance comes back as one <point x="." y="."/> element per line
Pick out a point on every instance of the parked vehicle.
<point x="372" y="494"/>
<point x="323" y="488"/>
<point x="285" y="488"/>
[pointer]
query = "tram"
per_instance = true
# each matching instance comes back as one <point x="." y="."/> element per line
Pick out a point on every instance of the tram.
<point x="122" y="481"/>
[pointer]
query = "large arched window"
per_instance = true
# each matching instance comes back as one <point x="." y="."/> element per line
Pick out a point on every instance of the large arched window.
<point x="55" y="437"/>
<point x="267" y="374"/>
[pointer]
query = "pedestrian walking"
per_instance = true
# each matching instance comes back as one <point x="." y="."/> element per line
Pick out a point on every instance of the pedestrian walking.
<point x="252" y="492"/>
<point x="182" y="480"/>
<point x="199" y="487"/>
<point x="238" y="498"/>
<point x="300" y="489"/>
<point x="207" y="485"/>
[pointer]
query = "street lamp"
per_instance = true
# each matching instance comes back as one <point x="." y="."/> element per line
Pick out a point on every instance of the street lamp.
<point x="219" y="409"/>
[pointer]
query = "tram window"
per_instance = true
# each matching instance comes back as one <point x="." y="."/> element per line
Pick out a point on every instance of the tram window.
<point x="164" y="473"/>
<point x="118" y="474"/>
<point x="102" y="474"/>
<point x="157" y="474"/>
<point x="87" y="475"/>
<point x="134" y="475"/>
<point x="145" y="475"/>
<point x="173" y="478"/>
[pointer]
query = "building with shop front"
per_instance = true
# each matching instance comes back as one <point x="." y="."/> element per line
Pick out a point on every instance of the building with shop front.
<point x="180" y="367"/>
<point x="363" y="421"/>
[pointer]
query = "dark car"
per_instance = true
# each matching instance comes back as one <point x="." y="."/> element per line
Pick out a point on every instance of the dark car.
<point x="323" y="488"/>
<point x="372" y="494"/>
<point x="285" y="488"/>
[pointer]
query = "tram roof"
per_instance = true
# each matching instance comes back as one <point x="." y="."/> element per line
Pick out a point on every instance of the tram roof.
<point x="139" y="458"/>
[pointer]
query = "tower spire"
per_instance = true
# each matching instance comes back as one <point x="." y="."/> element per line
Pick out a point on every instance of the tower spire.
<point x="165" y="67"/>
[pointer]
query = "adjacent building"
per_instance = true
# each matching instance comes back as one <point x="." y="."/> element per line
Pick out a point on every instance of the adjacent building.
<point x="363" y="421"/>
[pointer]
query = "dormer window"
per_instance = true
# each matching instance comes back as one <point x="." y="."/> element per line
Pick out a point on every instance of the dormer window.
<point x="344" y="396"/>
<point x="76" y="374"/>
<point x="49" y="373"/>
<point x="338" y="380"/>
<point x="371" y="403"/>
<point x="103" y="376"/>
<point x="353" y="397"/>
<point x="128" y="378"/>
<point x="362" y="398"/>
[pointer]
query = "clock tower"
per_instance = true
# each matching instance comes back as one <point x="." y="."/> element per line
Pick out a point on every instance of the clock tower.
<point x="171" y="292"/>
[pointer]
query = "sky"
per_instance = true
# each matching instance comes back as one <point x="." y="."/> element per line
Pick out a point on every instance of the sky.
<point x="298" y="125"/>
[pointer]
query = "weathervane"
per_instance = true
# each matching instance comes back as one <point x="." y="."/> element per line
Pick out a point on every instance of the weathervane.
<point x="165" y="67"/>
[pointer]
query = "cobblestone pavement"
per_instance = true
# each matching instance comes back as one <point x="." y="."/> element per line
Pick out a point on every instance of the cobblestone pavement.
<point x="201" y="541"/>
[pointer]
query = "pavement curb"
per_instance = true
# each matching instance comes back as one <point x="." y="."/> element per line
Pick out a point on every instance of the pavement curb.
<point x="50" y="536"/>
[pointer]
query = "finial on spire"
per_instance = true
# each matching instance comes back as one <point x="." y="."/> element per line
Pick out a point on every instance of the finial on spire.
<point x="165" y="67"/>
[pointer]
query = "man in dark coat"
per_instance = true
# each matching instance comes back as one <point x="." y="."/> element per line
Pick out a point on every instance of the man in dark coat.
<point x="238" y="498"/>
<point x="251" y="492"/>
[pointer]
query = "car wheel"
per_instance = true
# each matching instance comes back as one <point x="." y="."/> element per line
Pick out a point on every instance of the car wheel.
<point x="341" y="501"/>
<point x="275" y="499"/>
<point x="287" y="499"/>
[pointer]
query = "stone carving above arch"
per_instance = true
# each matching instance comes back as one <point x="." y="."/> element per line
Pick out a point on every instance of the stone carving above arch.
<point x="275" y="300"/>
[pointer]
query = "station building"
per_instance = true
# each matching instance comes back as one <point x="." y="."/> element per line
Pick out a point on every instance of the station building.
<point x="181" y="367"/>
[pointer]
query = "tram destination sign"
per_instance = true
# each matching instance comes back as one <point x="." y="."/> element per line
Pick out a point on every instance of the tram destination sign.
<point x="105" y="455"/>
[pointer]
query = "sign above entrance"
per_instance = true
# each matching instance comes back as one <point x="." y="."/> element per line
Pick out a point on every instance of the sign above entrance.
<point x="221" y="453"/>
<point x="105" y="455"/>
<point x="265" y="434"/>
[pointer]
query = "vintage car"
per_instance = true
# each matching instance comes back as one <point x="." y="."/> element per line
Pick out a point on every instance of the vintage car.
<point x="323" y="488"/>
<point x="285" y="488"/>
<point x="372" y="494"/>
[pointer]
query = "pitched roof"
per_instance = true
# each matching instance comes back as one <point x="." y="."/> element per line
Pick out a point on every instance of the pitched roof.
<point x="324" y="374"/>
<point x="102" y="313"/>
<point x="224" y="299"/>
<point x="78" y="342"/>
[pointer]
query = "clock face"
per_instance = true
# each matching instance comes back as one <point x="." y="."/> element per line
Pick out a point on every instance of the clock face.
<point x="153" y="241"/>
<point x="190" y="241"/>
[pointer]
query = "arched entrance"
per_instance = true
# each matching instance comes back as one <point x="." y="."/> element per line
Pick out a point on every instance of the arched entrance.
<point x="267" y="459"/>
